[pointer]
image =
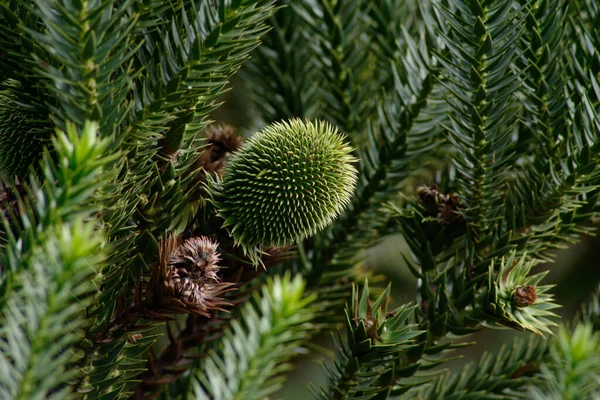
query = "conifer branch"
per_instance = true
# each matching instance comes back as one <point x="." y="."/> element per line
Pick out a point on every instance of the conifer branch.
<point x="128" y="255"/>
<point x="17" y="59"/>
<point x="495" y="376"/>
<point x="480" y="86"/>
<point x="173" y="100"/>
<point x="337" y="28"/>
<point x="527" y="364"/>
<point x="365" y="365"/>
<point x="85" y="49"/>
<point x="283" y="73"/>
<point x="387" y="36"/>
<point x="556" y="182"/>
<point x="194" y="341"/>
<point x="404" y="132"/>
<point x="196" y="38"/>
<point x="255" y="350"/>
<point x="456" y="295"/>
<point x="547" y="109"/>
<point x="65" y="193"/>
<point x="395" y="142"/>
<point x="24" y="132"/>
<point x="16" y="18"/>
<point x="583" y="20"/>
<point x="197" y="72"/>
<point x="37" y="359"/>
<point x="50" y="266"/>
<point x="571" y="368"/>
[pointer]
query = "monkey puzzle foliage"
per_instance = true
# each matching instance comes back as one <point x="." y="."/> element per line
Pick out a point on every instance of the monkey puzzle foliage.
<point x="147" y="251"/>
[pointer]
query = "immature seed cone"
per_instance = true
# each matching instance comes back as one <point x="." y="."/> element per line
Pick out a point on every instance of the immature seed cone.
<point x="285" y="183"/>
<point x="187" y="280"/>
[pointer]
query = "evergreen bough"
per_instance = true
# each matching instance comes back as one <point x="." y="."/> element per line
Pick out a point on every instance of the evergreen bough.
<point x="147" y="252"/>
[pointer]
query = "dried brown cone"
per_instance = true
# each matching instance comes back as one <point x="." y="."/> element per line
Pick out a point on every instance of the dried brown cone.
<point x="524" y="296"/>
<point x="222" y="141"/>
<point x="181" y="352"/>
<point x="442" y="206"/>
<point x="428" y="195"/>
<point x="186" y="280"/>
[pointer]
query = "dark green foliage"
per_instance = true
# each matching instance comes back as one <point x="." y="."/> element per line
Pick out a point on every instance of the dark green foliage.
<point x="495" y="376"/>
<point x="481" y="47"/>
<point x="247" y="361"/>
<point x="49" y="274"/>
<point x="367" y="363"/>
<point x="557" y="135"/>
<point x="22" y="133"/>
<point x="473" y="131"/>
<point x="282" y="73"/>
<point x="340" y="54"/>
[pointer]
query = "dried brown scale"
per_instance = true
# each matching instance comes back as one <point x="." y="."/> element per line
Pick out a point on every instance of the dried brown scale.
<point x="222" y="142"/>
<point x="175" y="359"/>
<point x="428" y="194"/>
<point x="134" y="337"/>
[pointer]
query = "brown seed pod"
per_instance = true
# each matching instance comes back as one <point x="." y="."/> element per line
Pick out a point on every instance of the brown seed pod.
<point x="439" y="205"/>
<point x="524" y="296"/>
<point x="428" y="195"/>
<point x="186" y="280"/>
<point x="222" y="141"/>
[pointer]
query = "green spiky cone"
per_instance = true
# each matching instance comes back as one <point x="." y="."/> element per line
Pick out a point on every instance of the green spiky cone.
<point x="21" y="133"/>
<point x="287" y="182"/>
